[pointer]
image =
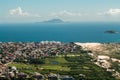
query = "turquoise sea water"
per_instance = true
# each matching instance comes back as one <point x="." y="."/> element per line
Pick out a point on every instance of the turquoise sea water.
<point x="64" y="32"/>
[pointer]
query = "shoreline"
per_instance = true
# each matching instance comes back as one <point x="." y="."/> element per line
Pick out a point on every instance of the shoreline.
<point x="54" y="41"/>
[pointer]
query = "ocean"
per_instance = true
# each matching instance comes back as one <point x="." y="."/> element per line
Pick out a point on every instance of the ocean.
<point x="64" y="32"/>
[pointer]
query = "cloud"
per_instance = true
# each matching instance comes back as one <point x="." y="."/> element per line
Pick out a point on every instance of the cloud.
<point x="67" y="13"/>
<point x="19" y="12"/>
<point x="111" y="12"/>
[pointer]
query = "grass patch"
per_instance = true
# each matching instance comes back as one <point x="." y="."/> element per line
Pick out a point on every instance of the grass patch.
<point x="30" y="68"/>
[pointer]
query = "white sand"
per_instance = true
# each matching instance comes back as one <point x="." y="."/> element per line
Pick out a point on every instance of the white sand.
<point x="91" y="46"/>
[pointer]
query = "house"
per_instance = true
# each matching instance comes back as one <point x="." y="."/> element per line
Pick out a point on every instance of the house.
<point x="2" y="68"/>
<point x="66" y="77"/>
<point x="103" y="57"/>
<point x="38" y="76"/>
<point x="53" y="76"/>
<point x="105" y="64"/>
<point x="22" y="75"/>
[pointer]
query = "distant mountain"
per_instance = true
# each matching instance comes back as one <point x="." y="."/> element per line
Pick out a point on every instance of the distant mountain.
<point x="52" y="21"/>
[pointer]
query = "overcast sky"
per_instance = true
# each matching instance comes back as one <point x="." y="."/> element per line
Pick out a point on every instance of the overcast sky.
<point x="67" y="10"/>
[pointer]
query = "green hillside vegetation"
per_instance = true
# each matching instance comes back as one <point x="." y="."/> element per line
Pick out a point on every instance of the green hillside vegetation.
<point x="67" y="65"/>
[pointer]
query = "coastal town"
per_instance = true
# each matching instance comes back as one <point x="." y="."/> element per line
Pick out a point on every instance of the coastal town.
<point x="36" y="53"/>
<point x="26" y="52"/>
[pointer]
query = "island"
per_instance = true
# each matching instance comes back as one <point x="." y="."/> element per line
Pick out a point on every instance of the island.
<point x="111" y="32"/>
<point x="52" y="21"/>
